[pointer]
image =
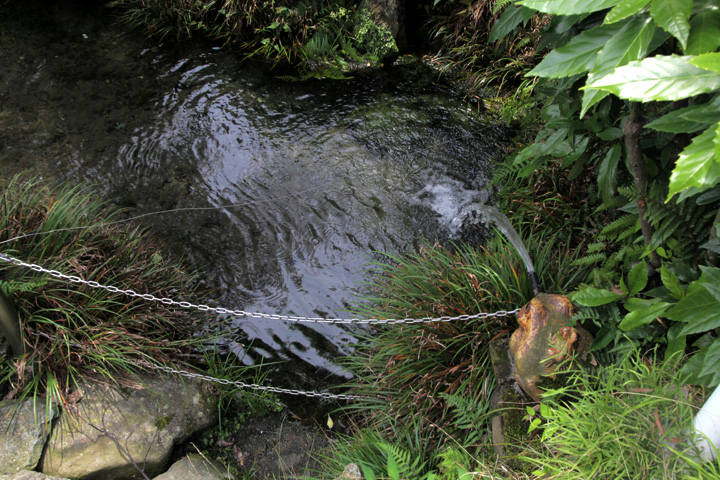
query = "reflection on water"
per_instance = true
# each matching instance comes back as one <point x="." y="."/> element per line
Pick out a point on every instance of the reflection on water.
<point x="308" y="179"/>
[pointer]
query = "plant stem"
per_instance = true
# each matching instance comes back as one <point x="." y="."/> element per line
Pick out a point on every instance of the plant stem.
<point x="631" y="134"/>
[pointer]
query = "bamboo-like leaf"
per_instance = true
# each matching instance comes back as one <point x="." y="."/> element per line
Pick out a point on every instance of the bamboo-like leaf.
<point x="659" y="78"/>
<point x="625" y="9"/>
<point x="698" y="165"/>
<point x="704" y="33"/>
<point x="568" y="7"/>
<point x="578" y="55"/>
<point x="674" y="17"/>
<point x="708" y="61"/>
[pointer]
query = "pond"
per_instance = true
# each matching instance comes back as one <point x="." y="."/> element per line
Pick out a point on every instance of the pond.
<point x="281" y="191"/>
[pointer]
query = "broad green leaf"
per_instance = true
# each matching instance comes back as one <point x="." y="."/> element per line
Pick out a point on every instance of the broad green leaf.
<point x="625" y="9"/>
<point x="511" y="18"/>
<point x="659" y="78"/>
<point x="674" y="17"/>
<point x="698" y="165"/>
<point x="594" y="297"/>
<point x="698" y="363"/>
<point x="675" y="123"/>
<point x="671" y="282"/>
<point x="707" y="113"/>
<point x="607" y="172"/>
<point x="568" y="7"/>
<point x="688" y="119"/>
<point x="577" y="56"/>
<point x="675" y="342"/>
<point x="708" y="61"/>
<point x="699" y="310"/>
<point x="711" y="360"/>
<point x="704" y="33"/>
<point x="710" y="279"/>
<point x="630" y="42"/>
<point x="643" y="316"/>
<point x="368" y="472"/>
<point x="637" y="278"/>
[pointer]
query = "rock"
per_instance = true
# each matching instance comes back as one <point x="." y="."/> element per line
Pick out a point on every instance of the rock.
<point x="195" y="467"/>
<point x="112" y="426"/>
<point x="351" y="472"/>
<point x="24" y="429"/>
<point x="274" y="447"/>
<point x="28" y="475"/>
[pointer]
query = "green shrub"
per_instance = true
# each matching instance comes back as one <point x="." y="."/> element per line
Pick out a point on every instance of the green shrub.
<point x="626" y="420"/>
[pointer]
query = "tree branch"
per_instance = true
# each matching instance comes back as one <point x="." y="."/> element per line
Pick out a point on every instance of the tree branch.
<point x="631" y="133"/>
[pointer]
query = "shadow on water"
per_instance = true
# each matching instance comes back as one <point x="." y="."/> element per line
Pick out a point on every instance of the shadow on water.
<point x="287" y="187"/>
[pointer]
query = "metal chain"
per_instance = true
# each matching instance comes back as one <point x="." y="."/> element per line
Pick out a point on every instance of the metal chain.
<point x="224" y="381"/>
<point x="242" y="313"/>
<point x="253" y="386"/>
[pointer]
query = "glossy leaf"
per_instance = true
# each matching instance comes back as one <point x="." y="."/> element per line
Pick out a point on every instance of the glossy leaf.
<point x="699" y="310"/>
<point x="671" y="282"/>
<point x="577" y="56"/>
<point x="698" y="165"/>
<point x="673" y="16"/>
<point x="625" y="9"/>
<point x="607" y="172"/>
<point x="700" y="361"/>
<point x="511" y="18"/>
<point x="568" y="7"/>
<point x="708" y="61"/>
<point x="630" y="42"/>
<point x="688" y="119"/>
<point x="637" y="279"/>
<point x="594" y="297"/>
<point x="643" y="316"/>
<point x="704" y="33"/>
<point x="659" y="78"/>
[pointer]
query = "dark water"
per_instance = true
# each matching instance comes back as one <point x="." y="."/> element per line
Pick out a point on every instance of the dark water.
<point x="320" y="174"/>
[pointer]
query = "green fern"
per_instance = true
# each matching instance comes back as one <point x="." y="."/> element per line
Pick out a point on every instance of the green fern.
<point x="470" y="414"/>
<point x="500" y="5"/>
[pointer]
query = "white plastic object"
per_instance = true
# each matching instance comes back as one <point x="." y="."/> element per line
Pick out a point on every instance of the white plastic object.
<point x="707" y="427"/>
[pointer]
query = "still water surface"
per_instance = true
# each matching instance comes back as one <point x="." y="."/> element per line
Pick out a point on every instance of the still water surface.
<point x="287" y="187"/>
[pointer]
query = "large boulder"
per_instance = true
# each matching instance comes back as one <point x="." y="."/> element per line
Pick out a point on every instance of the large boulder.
<point x="195" y="467"/>
<point x="24" y="427"/>
<point x="111" y="428"/>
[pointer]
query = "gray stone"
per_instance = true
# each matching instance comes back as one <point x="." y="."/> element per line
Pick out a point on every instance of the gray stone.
<point x="195" y="467"/>
<point x="24" y="428"/>
<point x="110" y="428"/>
<point x="28" y="475"/>
<point x="351" y="472"/>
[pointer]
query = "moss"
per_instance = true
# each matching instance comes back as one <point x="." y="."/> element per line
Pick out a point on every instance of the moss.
<point x="162" y="422"/>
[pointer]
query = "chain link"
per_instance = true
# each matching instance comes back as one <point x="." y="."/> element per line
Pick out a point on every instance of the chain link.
<point x="253" y="386"/>
<point x="241" y="313"/>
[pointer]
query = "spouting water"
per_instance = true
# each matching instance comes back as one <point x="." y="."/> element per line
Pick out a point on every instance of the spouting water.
<point x="478" y="212"/>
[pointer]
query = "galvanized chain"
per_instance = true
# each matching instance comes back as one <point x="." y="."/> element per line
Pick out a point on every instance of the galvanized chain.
<point x="225" y="381"/>
<point x="253" y="386"/>
<point x="242" y="313"/>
